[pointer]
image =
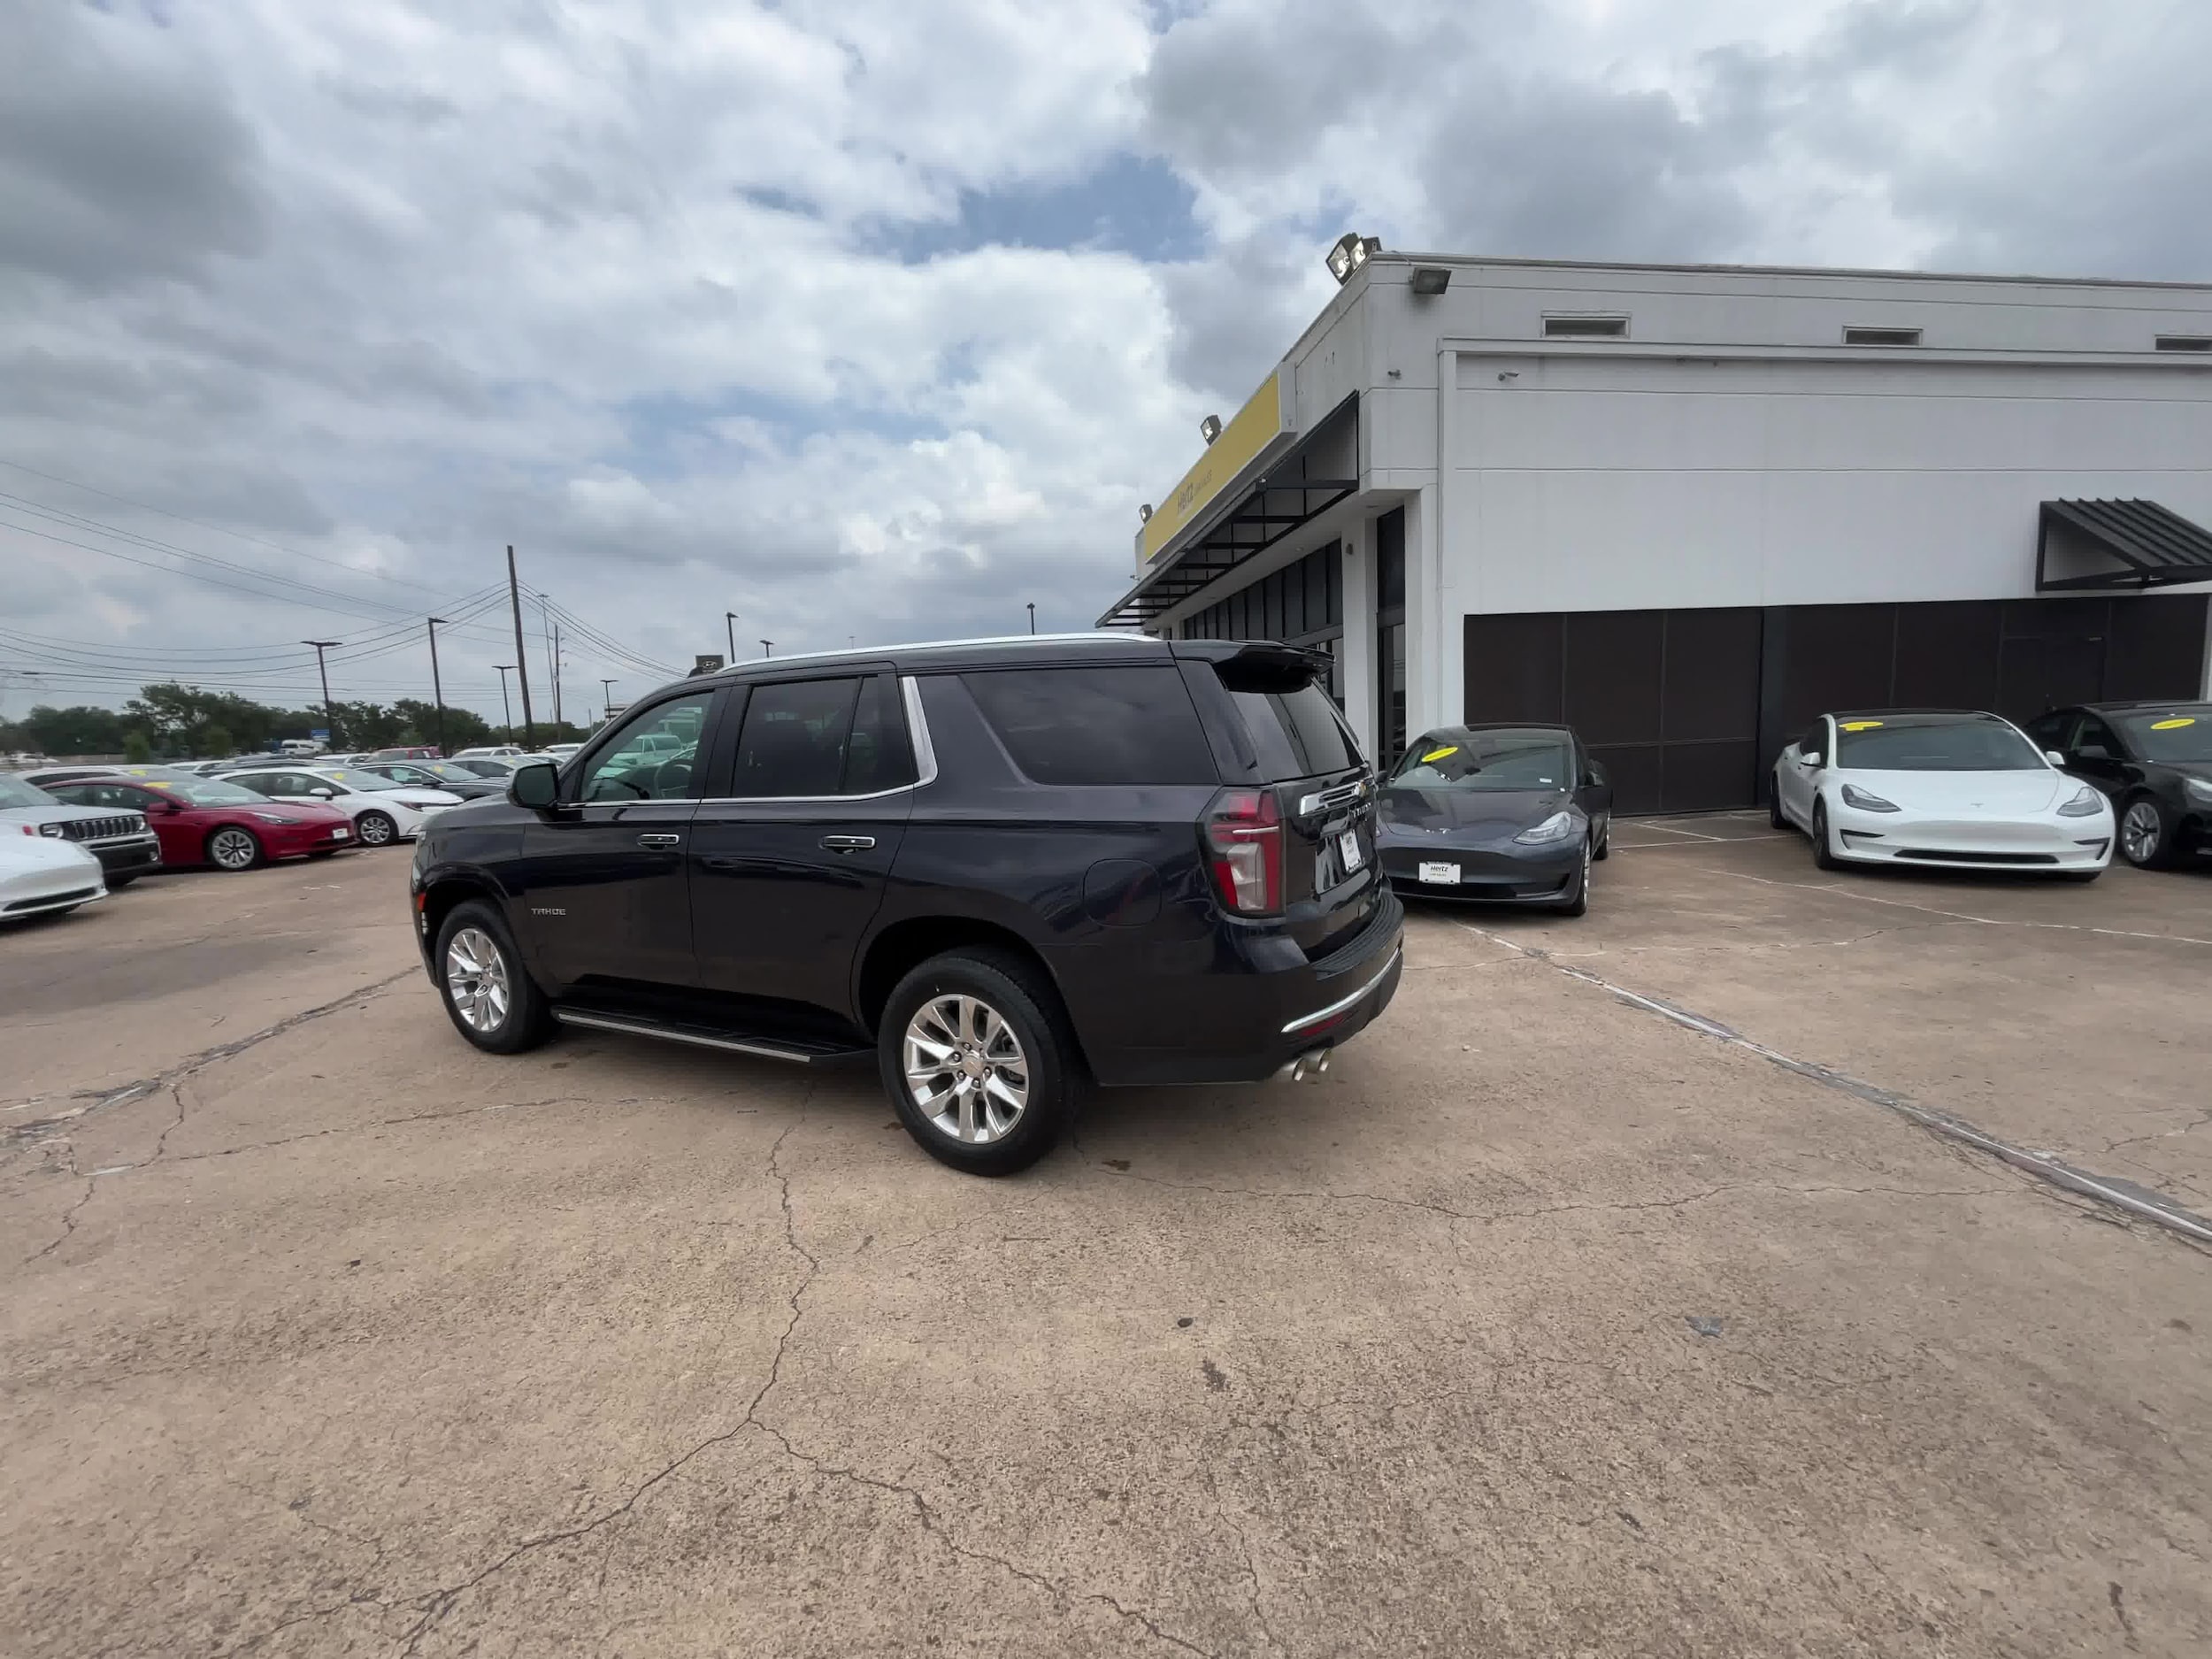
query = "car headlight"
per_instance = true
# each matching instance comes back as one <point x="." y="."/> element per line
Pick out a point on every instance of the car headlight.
<point x="277" y="817"/>
<point x="50" y="829"/>
<point x="1865" y="800"/>
<point x="2086" y="802"/>
<point x="1557" y="827"/>
<point x="2197" y="790"/>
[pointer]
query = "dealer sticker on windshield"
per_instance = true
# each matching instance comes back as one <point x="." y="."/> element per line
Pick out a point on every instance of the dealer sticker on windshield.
<point x="1347" y="844"/>
<point x="1443" y="875"/>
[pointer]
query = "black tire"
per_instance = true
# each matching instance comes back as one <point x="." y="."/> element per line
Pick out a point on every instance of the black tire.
<point x="1823" y="855"/>
<point x="2160" y="853"/>
<point x="527" y="1019"/>
<point x="1580" y="903"/>
<point x="1017" y="990"/>
<point x="1604" y="849"/>
<point x="1774" y="802"/>
<point x="231" y="848"/>
<point x="376" y="829"/>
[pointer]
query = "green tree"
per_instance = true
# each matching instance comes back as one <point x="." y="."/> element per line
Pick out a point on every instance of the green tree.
<point x="137" y="749"/>
<point x="215" y="742"/>
<point x="80" y="730"/>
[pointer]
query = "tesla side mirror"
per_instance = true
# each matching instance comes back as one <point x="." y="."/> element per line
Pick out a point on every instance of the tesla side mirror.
<point x="2054" y="758"/>
<point x="535" y="786"/>
<point x="325" y="793"/>
<point x="1812" y="759"/>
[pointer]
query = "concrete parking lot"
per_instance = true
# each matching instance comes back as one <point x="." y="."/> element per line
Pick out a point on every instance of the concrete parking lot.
<point x="1550" y="1322"/>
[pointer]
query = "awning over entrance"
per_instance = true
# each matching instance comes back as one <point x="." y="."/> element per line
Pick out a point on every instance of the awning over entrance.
<point x="2117" y="546"/>
<point x="1291" y="490"/>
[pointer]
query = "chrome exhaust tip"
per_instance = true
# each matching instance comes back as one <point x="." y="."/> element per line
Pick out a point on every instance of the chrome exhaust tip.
<point x="1308" y="1066"/>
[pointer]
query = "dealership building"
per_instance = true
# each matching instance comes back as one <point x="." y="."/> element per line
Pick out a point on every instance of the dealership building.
<point x="1687" y="507"/>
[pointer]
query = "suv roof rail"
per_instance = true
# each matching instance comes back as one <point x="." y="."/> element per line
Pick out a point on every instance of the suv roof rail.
<point x="1016" y="639"/>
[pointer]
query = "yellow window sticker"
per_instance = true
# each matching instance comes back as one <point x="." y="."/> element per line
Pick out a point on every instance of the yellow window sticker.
<point x="1860" y="726"/>
<point x="2175" y="724"/>
<point x="1439" y="753"/>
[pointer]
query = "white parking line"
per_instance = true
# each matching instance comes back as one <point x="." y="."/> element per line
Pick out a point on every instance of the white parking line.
<point x="1847" y="891"/>
<point x="2122" y="1194"/>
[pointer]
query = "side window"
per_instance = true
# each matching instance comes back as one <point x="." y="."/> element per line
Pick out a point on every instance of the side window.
<point x="2093" y="730"/>
<point x="1815" y="742"/>
<point x="1096" y="726"/>
<point x="257" y="781"/>
<point x="2049" y="730"/>
<point x="794" y="738"/>
<point x="879" y="756"/>
<point x="655" y="757"/>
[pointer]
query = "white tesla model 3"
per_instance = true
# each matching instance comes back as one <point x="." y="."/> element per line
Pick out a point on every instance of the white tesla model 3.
<point x="1939" y="789"/>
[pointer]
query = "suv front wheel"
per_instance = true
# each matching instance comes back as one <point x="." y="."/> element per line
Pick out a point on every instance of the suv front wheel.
<point x="979" y="1059"/>
<point x="486" y="993"/>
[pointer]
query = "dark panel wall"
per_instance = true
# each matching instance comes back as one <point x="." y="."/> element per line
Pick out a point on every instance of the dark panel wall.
<point x="1688" y="708"/>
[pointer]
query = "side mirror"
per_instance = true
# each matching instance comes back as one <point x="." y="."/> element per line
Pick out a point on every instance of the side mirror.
<point x="324" y="792"/>
<point x="2054" y="758"/>
<point x="169" y="807"/>
<point x="535" y="786"/>
<point x="1812" y="760"/>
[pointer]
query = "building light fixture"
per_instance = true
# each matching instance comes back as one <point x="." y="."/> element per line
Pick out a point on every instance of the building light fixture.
<point x="1209" y="428"/>
<point x="1429" y="281"/>
<point x="1144" y="512"/>
<point x="1351" y="251"/>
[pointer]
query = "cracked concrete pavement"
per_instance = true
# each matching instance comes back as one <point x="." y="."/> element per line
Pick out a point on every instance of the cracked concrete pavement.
<point x="1539" y="1325"/>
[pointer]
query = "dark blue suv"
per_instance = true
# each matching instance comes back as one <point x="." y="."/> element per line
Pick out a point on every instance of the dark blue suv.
<point x="1004" y="866"/>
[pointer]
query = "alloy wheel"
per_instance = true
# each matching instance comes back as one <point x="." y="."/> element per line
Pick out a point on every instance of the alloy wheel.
<point x="966" y="1069"/>
<point x="2141" y="832"/>
<point x="476" y="979"/>
<point x="375" y="828"/>
<point x="232" y="849"/>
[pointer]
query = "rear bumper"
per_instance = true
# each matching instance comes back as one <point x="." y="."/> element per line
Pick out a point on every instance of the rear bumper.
<point x="1253" y="1006"/>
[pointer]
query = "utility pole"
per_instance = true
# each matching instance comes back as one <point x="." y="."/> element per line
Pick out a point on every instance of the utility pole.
<point x="1033" y="616"/>
<point x="768" y="647"/>
<point x="521" y="664"/>
<point x="729" y="627"/>
<point x="437" y="687"/>
<point x="556" y="675"/>
<point x="606" y="700"/>
<point x="506" y="712"/>
<point x="329" y="718"/>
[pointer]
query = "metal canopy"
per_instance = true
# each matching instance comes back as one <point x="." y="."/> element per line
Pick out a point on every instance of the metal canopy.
<point x="2140" y="544"/>
<point x="1273" y="507"/>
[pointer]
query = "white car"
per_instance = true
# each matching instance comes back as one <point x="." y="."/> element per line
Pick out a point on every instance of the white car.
<point x="382" y="811"/>
<point x="42" y="876"/>
<point x="489" y="751"/>
<point x="561" y="751"/>
<point x="1940" y="790"/>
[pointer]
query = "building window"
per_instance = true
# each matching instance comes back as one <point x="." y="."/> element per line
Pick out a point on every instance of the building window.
<point x="2184" y="342"/>
<point x="1586" y="328"/>
<point x="1390" y="636"/>
<point x="1301" y="605"/>
<point x="1881" y="336"/>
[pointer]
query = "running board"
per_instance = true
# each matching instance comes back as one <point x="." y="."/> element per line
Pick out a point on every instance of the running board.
<point x="700" y="1037"/>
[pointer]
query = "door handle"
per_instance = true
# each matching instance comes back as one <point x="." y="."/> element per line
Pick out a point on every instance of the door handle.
<point x="848" y="843"/>
<point x="665" y="840"/>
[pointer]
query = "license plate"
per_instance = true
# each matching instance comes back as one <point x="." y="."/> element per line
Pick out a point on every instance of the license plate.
<point x="340" y="834"/>
<point x="1443" y="875"/>
<point x="1347" y="844"/>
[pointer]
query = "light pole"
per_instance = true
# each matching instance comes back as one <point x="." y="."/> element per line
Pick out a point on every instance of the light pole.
<point x="606" y="700"/>
<point x="768" y="647"/>
<point x="330" y="720"/>
<point x="506" y="714"/>
<point x="437" y="689"/>
<point x="729" y="627"/>
<point x="1033" y="616"/>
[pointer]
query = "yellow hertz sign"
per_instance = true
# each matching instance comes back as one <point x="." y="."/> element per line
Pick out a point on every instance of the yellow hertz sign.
<point x="1258" y="424"/>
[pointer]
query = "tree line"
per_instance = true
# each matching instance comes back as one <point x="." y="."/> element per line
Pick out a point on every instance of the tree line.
<point x="178" y="722"/>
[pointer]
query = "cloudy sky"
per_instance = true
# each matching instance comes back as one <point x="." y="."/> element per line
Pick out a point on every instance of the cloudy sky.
<point x="871" y="319"/>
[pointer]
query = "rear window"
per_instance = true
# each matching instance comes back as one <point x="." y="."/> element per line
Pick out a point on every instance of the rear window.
<point x="1096" y="726"/>
<point x="1294" y="726"/>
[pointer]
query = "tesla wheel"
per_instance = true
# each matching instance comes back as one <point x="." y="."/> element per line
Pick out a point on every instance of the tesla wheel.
<point x="2146" y="834"/>
<point x="979" y="1060"/>
<point x="1823" y="855"/>
<point x="376" y="829"/>
<point x="1605" y="842"/>
<point x="1578" y="905"/>
<point x="234" y="846"/>
<point x="1774" y="804"/>
<point x="487" y="994"/>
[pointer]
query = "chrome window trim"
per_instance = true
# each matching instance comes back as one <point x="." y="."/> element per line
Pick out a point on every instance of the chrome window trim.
<point x="918" y="735"/>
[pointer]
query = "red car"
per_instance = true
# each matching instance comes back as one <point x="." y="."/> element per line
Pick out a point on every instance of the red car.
<point x="205" y="821"/>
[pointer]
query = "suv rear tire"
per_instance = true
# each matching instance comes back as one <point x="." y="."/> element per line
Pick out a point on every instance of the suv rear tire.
<point x="487" y="993"/>
<point x="978" y="1057"/>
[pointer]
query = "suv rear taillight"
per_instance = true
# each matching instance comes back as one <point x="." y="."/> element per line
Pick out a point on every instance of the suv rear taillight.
<point x="1243" y="829"/>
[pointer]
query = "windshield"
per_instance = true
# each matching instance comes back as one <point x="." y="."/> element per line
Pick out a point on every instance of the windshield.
<point x="15" y="792"/>
<point x="2183" y="734"/>
<point x="483" y="766"/>
<point x="204" y="792"/>
<point x="446" y="770"/>
<point x="1937" y="743"/>
<point x="359" y="782"/>
<point x="1533" y="759"/>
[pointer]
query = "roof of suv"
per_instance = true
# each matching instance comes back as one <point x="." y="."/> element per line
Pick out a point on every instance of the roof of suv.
<point x="1103" y="645"/>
